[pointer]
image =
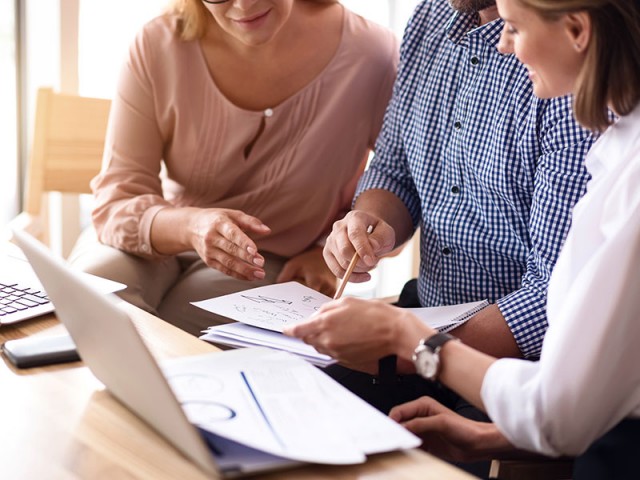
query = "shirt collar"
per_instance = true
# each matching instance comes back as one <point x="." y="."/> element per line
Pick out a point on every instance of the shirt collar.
<point x="612" y="147"/>
<point x="461" y="25"/>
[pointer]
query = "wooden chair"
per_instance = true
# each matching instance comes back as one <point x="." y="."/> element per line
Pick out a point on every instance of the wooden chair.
<point x="66" y="153"/>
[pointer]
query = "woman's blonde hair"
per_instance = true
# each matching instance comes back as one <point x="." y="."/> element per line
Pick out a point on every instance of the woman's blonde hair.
<point x="193" y="17"/>
<point x="611" y="71"/>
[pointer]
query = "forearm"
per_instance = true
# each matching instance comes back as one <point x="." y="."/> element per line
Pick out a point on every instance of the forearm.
<point x="488" y="332"/>
<point x="463" y="367"/>
<point x="389" y="208"/>
<point x="170" y="230"/>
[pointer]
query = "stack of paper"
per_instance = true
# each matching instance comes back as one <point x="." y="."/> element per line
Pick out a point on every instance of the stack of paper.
<point x="264" y="312"/>
<point x="279" y="404"/>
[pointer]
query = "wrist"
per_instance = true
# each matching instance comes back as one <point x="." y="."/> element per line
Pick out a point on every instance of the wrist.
<point x="409" y="333"/>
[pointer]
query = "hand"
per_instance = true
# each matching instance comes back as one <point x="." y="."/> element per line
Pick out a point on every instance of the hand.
<point x="448" y="435"/>
<point x="310" y="269"/>
<point x="358" y="332"/>
<point x="350" y="235"/>
<point x="221" y="238"/>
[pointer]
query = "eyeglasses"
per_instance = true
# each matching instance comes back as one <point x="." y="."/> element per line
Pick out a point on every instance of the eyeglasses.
<point x="215" y="2"/>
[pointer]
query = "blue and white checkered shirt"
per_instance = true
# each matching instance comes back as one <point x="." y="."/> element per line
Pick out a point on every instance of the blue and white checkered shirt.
<point x="489" y="172"/>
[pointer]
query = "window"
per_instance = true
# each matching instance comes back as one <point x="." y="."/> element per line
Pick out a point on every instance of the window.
<point x="8" y="112"/>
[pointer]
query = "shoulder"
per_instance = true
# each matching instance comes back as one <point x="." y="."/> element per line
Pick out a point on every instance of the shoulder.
<point x="368" y="38"/>
<point x="159" y="35"/>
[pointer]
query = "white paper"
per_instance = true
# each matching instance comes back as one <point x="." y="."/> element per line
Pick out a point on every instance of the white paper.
<point x="241" y="335"/>
<point x="279" y="404"/>
<point x="273" y="307"/>
<point x="447" y="317"/>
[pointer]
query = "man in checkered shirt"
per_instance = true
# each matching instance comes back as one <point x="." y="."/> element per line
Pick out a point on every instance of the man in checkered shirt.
<point x="489" y="173"/>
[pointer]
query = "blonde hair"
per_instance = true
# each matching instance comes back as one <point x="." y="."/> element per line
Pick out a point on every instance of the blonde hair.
<point x="193" y="17"/>
<point x="610" y="75"/>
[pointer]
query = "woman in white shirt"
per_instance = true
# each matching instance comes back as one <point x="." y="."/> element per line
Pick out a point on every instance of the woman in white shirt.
<point x="583" y="396"/>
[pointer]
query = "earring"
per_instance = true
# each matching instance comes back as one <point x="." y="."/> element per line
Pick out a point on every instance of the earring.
<point x="578" y="47"/>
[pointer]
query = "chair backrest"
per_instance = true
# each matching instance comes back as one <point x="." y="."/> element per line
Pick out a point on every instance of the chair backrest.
<point x="66" y="153"/>
<point x="68" y="141"/>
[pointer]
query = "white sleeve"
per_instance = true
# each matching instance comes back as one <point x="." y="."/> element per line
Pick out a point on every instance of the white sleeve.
<point x="588" y="377"/>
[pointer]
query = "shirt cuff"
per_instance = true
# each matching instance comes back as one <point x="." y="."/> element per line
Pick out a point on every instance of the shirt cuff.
<point x="525" y="313"/>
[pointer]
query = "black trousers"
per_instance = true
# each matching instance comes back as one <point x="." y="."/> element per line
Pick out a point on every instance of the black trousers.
<point x="386" y="391"/>
<point x="614" y="456"/>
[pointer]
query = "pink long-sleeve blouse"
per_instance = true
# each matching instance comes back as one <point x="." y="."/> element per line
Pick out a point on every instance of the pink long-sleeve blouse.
<point x="175" y="140"/>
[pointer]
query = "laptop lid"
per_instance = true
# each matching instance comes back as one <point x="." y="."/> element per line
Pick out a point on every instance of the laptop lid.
<point x="114" y="351"/>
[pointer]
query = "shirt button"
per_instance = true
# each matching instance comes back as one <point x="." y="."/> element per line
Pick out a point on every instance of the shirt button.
<point x="475" y="60"/>
<point x="455" y="189"/>
<point x="457" y="125"/>
<point x="268" y="112"/>
<point x="446" y="251"/>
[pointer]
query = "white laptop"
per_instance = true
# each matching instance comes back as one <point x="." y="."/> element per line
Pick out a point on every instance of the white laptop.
<point x="112" y="348"/>
<point x="21" y="294"/>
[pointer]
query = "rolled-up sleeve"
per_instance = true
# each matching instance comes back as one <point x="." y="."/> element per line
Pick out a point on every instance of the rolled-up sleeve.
<point x="559" y="182"/>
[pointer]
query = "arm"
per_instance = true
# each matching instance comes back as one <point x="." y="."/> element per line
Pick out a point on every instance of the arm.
<point x="131" y="212"/>
<point x="386" y="214"/>
<point x="559" y="180"/>
<point x="588" y="368"/>
<point x="488" y="332"/>
<point x="386" y="198"/>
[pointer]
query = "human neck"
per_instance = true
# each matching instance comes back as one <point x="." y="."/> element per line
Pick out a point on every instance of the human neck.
<point x="488" y="14"/>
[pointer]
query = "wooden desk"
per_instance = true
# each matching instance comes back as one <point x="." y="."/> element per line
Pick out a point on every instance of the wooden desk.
<point x="59" y="422"/>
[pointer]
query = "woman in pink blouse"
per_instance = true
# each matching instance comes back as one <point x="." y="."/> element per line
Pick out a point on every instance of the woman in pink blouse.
<point x="236" y="138"/>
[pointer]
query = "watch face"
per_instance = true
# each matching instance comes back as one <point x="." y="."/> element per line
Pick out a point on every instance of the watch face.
<point x="426" y="363"/>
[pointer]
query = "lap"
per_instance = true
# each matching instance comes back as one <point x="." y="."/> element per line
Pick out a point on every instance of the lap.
<point x="199" y="282"/>
<point x="166" y="287"/>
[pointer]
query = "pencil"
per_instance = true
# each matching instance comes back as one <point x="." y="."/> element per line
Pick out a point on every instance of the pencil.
<point x="350" y="268"/>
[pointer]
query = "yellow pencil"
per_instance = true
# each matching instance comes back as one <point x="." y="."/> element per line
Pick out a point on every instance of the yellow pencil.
<point x="350" y="268"/>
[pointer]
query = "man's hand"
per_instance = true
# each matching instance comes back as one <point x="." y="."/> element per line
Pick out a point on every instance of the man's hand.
<point x="448" y="435"/>
<point x="310" y="269"/>
<point x="349" y="235"/>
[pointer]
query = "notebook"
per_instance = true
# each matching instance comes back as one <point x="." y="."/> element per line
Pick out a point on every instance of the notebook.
<point x="21" y="294"/>
<point x="112" y="348"/>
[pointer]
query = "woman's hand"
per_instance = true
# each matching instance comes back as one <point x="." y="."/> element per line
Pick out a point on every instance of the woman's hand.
<point x="223" y="239"/>
<point x="349" y="235"/>
<point x="448" y="435"/>
<point x="358" y="332"/>
<point x="310" y="269"/>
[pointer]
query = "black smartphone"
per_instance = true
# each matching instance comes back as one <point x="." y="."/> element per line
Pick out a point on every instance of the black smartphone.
<point x="40" y="350"/>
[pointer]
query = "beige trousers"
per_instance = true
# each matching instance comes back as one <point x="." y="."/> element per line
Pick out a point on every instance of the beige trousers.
<point x="165" y="288"/>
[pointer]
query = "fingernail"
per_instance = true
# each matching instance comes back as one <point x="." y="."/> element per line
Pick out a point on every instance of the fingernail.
<point x="251" y="250"/>
<point x="258" y="274"/>
<point x="369" y="260"/>
<point x="259" y="261"/>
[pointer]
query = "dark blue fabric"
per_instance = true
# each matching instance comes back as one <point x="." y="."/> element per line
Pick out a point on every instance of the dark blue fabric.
<point x="614" y="456"/>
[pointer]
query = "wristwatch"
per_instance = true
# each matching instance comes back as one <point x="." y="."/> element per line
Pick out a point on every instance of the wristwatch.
<point x="426" y="356"/>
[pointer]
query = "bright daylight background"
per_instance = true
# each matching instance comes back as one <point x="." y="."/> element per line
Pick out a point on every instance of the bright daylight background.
<point x="105" y="32"/>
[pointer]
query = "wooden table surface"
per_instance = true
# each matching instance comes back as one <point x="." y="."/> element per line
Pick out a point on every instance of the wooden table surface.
<point x="59" y="422"/>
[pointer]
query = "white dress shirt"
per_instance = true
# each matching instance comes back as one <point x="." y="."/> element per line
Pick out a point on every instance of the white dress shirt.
<point x="588" y="376"/>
